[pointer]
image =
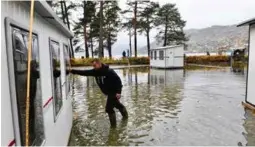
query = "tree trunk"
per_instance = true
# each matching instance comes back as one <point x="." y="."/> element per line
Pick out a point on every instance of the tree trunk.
<point x="101" y="50"/>
<point x="148" y="42"/>
<point x="165" y="35"/>
<point x="130" y="43"/>
<point x="109" y="45"/>
<point x="66" y="15"/>
<point x="62" y="12"/>
<point x="86" y="41"/>
<point x="135" y="36"/>
<point x="85" y="31"/>
<point x="91" y="44"/>
<point x="68" y="25"/>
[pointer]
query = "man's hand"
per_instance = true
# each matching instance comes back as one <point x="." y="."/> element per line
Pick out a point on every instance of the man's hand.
<point x="118" y="96"/>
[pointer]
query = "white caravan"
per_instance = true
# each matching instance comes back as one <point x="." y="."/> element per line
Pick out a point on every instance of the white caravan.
<point x="250" y="93"/>
<point x="50" y="105"/>
<point x="167" y="57"/>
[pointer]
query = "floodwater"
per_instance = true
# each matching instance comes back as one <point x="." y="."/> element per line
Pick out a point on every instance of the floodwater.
<point x="166" y="107"/>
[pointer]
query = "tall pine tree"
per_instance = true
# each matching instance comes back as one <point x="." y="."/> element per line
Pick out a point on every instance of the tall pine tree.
<point x="81" y="27"/>
<point x="135" y="8"/>
<point x="170" y="25"/>
<point x="111" y="24"/>
<point x="147" y="21"/>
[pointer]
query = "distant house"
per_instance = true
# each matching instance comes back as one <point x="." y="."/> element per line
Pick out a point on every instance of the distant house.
<point x="250" y="95"/>
<point x="167" y="57"/>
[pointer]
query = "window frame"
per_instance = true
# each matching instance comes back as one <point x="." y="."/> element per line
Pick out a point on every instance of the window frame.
<point x="155" y="55"/>
<point x="151" y="53"/>
<point x="161" y="57"/>
<point x="55" y="116"/>
<point x="9" y="23"/>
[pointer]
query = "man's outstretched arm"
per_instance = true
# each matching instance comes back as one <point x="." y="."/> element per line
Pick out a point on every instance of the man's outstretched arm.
<point x="91" y="72"/>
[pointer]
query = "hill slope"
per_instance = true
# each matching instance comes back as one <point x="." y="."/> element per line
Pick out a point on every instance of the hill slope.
<point x="211" y="38"/>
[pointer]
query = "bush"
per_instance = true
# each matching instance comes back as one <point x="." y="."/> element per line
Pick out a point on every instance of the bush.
<point x="122" y="61"/>
<point x="208" y="59"/>
<point x="139" y="60"/>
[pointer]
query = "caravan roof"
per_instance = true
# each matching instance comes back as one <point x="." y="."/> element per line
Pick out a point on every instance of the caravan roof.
<point x="165" y="47"/>
<point x="45" y="11"/>
<point x="247" y="22"/>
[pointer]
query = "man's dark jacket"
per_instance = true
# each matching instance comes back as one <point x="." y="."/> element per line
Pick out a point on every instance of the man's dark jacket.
<point x="106" y="78"/>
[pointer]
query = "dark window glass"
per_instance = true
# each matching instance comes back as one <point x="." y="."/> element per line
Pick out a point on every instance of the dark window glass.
<point x="151" y="55"/>
<point x="161" y="55"/>
<point x="56" y="74"/>
<point x="155" y="55"/>
<point x="67" y="66"/>
<point x="20" y="50"/>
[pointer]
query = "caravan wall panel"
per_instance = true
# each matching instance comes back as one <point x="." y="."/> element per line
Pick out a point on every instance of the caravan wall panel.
<point x="251" y="73"/>
<point x="56" y="132"/>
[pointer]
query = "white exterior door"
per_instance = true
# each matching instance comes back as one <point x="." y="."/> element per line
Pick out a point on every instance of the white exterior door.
<point x="169" y="58"/>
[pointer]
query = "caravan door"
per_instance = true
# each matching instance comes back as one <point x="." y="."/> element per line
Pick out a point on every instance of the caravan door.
<point x="169" y="58"/>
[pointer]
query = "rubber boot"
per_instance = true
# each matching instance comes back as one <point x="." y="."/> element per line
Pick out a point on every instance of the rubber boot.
<point x="124" y="113"/>
<point x="112" y="118"/>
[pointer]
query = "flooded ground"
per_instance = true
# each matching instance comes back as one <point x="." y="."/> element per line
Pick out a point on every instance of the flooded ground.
<point x="166" y="107"/>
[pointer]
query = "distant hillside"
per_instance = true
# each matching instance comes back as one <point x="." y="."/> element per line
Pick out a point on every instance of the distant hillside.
<point x="211" y="38"/>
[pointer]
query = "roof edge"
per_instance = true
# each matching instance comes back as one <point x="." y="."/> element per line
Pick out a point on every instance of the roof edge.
<point x="247" y="22"/>
<point x="44" y="10"/>
<point x="166" y="47"/>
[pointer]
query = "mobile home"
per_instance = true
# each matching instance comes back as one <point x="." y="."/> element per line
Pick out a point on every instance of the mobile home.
<point x="50" y="96"/>
<point x="168" y="57"/>
<point x="250" y="93"/>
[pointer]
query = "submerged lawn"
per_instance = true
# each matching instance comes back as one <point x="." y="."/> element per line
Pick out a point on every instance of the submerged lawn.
<point x="166" y="107"/>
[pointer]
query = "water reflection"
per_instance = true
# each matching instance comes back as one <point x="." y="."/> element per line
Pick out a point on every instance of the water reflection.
<point x="166" y="107"/>
<point x="249" y="125"/>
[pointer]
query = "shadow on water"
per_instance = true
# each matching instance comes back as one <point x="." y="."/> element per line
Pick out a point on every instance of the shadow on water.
<point x="166" y="107"/>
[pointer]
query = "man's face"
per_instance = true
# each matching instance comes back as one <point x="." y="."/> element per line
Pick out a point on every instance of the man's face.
<point x="96" y="65"/>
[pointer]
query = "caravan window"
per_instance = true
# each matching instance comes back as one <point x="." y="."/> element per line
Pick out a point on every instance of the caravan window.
<point x="161" y="55"/>
<point x="20" y="50"/>
<point x="67" y="66"/>
<point x="155" y="55"/>
<point x="56" y="77"/>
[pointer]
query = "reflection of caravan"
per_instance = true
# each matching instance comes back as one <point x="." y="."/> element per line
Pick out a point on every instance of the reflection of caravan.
<point x="250" y="96"/>
<point x="166" y="77"/>
<point x="167" y="57"/>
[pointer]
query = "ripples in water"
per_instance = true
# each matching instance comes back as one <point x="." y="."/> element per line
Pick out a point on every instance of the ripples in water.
<point x="166" y="107"/>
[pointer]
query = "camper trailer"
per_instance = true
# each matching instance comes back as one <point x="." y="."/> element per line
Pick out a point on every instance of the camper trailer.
<point x="168" y="57"/>
<point x="250" y="93"/>
<point x="50" y="110"/>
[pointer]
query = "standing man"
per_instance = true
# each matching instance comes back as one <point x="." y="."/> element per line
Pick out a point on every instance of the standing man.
<point x="110" y="84"/>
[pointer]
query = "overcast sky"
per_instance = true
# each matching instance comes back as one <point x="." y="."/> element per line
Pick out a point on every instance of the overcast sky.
<point x="198" y="14"/>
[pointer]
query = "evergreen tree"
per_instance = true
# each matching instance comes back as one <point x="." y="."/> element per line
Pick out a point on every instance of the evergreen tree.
<point x="170" y="25"/>
<point x="111" y="24"/>
<point x="64" y="10"/>
<point x="134" y="7"/>
<point x="81" y="27"/>
<point x="147" y="21"/>
<point x="94" y="33"/>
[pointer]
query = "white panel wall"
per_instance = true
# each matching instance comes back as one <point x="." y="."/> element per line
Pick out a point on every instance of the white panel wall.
<point x="174" y="58"/>
<point x="251" y="74"/>
<point x="157" y="62"/>
<point x="56" y="133"/>
<point x="178" y="56"/>
<point x="7" y="132"/>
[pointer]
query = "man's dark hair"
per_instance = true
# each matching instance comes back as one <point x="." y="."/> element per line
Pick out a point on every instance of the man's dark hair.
<point x="96" y="60"/>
